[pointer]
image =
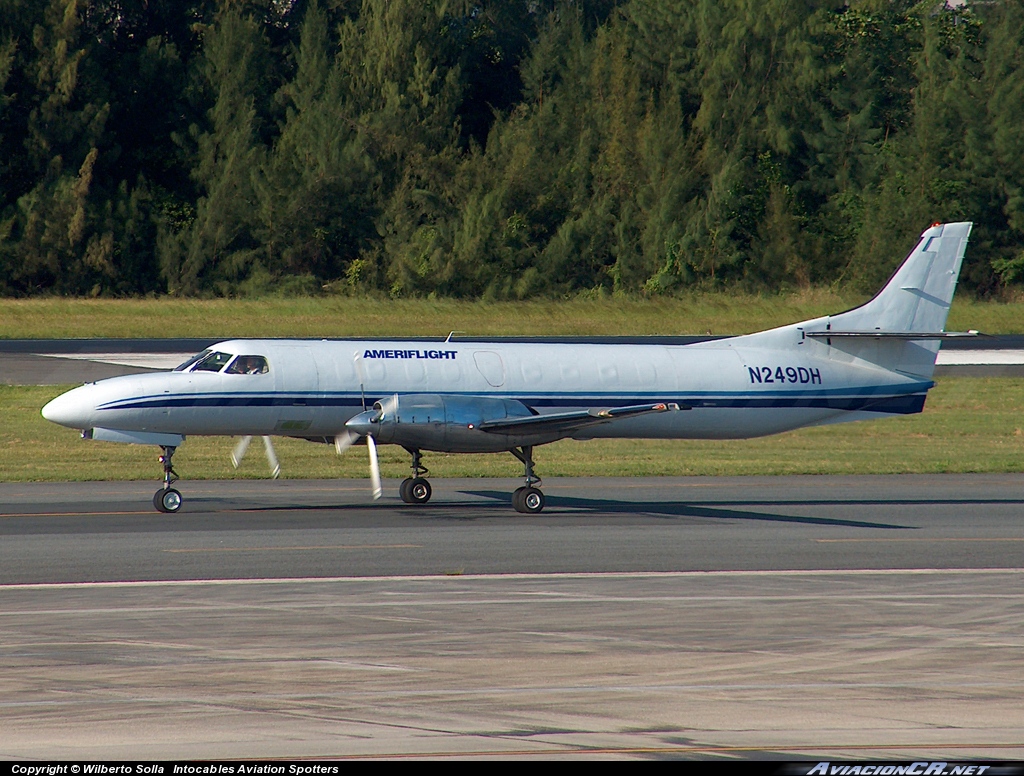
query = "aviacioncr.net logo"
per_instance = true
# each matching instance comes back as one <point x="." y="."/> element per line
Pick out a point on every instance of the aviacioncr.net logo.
<point x="913" y="769"/>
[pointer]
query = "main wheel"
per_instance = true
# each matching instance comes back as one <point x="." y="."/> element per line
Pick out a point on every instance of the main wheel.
<point x="419" y="491"/>
<point x="517" y="497"/>
<point x="528" y="501"/>
<point x="415" y="491"/>
<point x="167" y="500"/>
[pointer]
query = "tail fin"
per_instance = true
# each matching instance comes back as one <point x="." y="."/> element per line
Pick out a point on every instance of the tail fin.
<point x="901" y="328"/>
<point x="915" y="301"/>
<point x="917" y="298"/>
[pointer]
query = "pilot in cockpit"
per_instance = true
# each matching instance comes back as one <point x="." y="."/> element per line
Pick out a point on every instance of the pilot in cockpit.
<point x="248" y="365"/>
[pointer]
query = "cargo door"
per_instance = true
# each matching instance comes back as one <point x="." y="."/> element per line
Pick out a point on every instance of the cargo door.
<point x="296" y="390"/>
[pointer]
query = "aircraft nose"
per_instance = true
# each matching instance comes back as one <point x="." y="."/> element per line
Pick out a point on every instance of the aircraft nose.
<point x="69" y="409"/>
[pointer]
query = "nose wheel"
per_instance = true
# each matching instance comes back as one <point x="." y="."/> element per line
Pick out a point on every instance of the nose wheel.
<point x="528" y="499"/>
<point x="167" y="499"/>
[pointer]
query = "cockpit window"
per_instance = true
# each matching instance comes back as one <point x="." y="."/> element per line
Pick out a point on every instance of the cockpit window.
<point x="214" y="362"/>
<point x="248" y="365"/>
<point x="197" y="357"/>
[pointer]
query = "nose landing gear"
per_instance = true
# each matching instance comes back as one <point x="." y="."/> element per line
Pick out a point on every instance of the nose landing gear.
<point x="528" y="499"/>
<point x="167" y="499"/>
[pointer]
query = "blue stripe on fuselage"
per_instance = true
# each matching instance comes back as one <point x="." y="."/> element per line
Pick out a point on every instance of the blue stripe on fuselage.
<point x="870" y="400"/>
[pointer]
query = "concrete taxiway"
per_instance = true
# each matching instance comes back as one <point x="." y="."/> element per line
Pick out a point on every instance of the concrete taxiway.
<point x="788" y="617"/>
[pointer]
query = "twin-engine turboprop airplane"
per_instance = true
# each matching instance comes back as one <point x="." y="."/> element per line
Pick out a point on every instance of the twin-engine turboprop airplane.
<point x="460" y="397"/>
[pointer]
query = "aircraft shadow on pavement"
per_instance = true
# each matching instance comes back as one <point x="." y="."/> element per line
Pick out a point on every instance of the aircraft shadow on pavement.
<point x="498" y="504"/>
<point x="676" y="509"/>
<point x="868" y="502"/>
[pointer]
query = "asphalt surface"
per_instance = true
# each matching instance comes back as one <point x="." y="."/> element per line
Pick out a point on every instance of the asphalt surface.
<point x="784" y="618"/>
<point x="286" y="529"/>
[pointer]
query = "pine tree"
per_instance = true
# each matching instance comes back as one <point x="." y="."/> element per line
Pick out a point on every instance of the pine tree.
<point x="317" y="190"/>
<point x="58" y="245"/>
<point x="400" y="88"/>
<point x="758" y="71"/>
<point x="1005" y="75"/>
<point x="219" y="250"/>
<point x="925" y="177"/>
<point x="1006" y="107"/>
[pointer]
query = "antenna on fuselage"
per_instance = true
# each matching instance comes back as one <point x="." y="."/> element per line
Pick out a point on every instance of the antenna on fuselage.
<point x="452" y="334"/>
<point x="362" y="379"/>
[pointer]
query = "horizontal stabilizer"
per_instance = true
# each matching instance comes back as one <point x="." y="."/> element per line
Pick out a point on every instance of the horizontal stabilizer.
<point x="567" y="422"/>
<point x="902" y="335"/>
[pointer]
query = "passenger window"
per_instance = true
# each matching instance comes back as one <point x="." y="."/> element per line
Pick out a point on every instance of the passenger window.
<point x="212" y="363"/>
<point x="249" y="365"/>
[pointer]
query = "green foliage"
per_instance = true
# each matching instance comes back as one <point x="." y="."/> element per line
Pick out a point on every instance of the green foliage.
<point x="315" y="210"/>
<point x="502" y="149"/>
<point x="219" y="248"/>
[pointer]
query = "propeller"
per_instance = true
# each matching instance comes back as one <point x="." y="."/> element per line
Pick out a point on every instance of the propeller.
<point x="345" y="440"/>
<point x="359" y="427"/>
<point x="243" y="444"/>
<point x="374" y="468"/>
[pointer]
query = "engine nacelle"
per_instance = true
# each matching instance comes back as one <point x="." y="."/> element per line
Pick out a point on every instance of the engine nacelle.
<point x="449" y="424"/>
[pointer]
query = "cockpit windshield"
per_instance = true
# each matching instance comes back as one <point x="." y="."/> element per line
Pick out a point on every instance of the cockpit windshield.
<point x="213" y="362"/>
<point x="184" y="367"/>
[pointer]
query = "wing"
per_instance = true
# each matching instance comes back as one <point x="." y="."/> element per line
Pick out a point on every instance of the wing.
<point x="568" y="422"/>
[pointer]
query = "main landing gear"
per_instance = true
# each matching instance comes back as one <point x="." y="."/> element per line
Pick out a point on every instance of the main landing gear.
<point x="527" y="499"/>
<point x="415" y="489"/>
<point x="167" y="499"/>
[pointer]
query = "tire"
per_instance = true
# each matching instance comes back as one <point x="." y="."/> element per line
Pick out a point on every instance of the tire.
<point x="419" y="491"/>
<point x="167" y="500"/>
<point x="517" y="499"/>
<point x="415" y="491"/>
<point x="532" y="501"/>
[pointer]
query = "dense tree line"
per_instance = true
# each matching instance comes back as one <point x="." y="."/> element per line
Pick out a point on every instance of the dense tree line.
<point x="503" y="148"/>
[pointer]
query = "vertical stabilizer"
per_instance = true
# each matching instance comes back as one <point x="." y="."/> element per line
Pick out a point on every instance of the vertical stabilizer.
<point x="917" y="298"/>
<point x="881" y="334"/>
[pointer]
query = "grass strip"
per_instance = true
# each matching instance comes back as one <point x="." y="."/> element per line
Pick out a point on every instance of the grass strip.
<point x="969" y="425"/>
<point x="696" y="313"/>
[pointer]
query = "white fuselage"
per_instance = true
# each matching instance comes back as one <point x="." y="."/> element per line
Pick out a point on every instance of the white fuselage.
<point x="737" y="388"/>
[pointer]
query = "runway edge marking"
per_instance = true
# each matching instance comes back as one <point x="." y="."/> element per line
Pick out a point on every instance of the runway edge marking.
<point x="476" y="577"/>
